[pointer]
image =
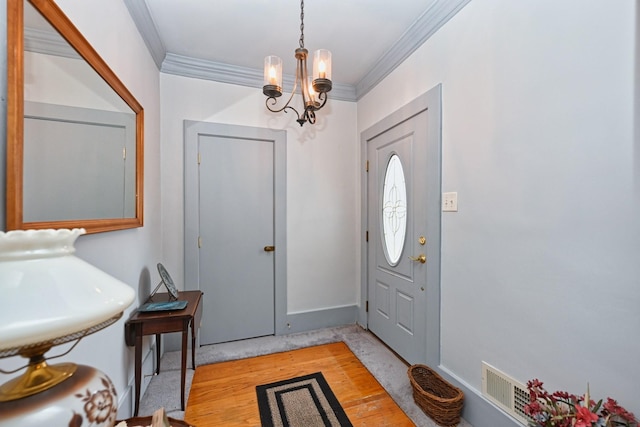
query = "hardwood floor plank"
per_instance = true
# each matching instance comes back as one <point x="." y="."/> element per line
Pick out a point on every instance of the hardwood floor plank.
<point x="223" y="394"/>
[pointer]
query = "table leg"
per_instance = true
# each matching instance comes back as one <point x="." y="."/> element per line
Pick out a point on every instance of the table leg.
<point x="158" y="345"/>
<point x="183" y="368"/>
<point x="138" y="370"/>
<point x="193" y="344"/>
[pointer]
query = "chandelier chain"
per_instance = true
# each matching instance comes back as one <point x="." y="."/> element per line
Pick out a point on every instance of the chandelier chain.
<point x="302" y="23"/>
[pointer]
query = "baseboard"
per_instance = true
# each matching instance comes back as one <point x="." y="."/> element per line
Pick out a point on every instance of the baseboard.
<point x="125" y="401"/>
<point x="295" y="322"/>
<point x="477" y="410"/>
<point x="319" y="319"/>
<point x="126" y="398"/>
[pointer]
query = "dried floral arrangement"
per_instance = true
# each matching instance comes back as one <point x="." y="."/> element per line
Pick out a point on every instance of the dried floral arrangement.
<point x="561" y="409"/>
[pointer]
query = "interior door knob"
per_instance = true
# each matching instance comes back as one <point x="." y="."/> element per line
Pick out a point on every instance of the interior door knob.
<point x="422" y="258"/>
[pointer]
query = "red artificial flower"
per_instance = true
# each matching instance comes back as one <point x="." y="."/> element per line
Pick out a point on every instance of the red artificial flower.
<point x="612" y="407"/>
<point x="584" y="417"/>
<point x="533" y="407"/>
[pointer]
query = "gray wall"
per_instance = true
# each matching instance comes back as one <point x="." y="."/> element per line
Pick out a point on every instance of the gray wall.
<point x="540" y="264"/>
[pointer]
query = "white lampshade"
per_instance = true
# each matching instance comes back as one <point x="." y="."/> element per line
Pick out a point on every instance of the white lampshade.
<point x="48" y="295"/>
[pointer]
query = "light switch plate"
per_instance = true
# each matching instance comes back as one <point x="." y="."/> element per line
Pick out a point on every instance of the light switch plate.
<point x="450" y="202"/>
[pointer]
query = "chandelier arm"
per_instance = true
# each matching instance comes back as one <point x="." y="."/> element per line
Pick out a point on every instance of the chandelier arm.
<point x="284" y="108"/>
<point x="293" y="92"/>
<point x="289" y="107"/>
<point x="322" y="97"/>
<point x="274" y="103"/>
<point x="310" y="115"/>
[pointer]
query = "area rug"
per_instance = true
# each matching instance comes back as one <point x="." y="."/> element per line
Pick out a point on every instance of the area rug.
<point x="302" y="401"/>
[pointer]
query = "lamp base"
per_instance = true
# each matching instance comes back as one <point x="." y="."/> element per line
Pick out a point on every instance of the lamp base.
<point x="86" y="398"/>
<point x="38" y="378"/>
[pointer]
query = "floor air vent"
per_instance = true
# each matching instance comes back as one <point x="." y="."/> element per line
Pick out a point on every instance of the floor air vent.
<point x="504" y="391"/>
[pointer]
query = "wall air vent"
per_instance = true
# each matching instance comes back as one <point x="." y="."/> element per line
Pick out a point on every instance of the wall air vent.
<point x="507" y="393"/>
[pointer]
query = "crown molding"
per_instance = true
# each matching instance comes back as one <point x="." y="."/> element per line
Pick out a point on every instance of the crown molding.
<point x="147" y="29"/>
<point x="424" y="27"/>
<point x="48" y="43"/>
<point x="233" y="74"/>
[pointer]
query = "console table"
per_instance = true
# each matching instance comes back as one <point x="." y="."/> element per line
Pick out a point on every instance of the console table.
<point x="160" y="322"/>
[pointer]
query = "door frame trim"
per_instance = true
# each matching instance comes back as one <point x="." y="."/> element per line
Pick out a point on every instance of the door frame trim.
<point x="192" y="130"/>
<point x="431" y="103"/>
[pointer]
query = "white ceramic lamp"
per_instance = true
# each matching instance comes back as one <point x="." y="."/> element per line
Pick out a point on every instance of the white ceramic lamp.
<point x="49" y="297"/>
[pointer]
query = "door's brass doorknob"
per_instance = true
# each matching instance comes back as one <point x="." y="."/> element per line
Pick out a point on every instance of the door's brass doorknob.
<point x="269" y="248"/>
<point x="422" y="258"/>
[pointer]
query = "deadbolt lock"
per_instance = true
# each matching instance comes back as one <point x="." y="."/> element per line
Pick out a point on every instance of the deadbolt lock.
<point x="422" y="240"/>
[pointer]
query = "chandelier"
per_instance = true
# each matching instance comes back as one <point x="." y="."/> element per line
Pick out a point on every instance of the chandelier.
<point x="313" y="91"/>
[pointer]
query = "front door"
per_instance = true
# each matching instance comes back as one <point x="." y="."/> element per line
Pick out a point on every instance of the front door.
<point x="403" y="188"/>
<point x="236" y="224"/>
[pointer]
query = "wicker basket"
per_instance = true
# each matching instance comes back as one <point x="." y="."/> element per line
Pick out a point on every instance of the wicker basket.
<point x="440" y="400"/>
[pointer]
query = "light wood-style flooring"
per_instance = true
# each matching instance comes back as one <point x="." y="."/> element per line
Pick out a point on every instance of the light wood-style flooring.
<point x="223" y="394"/>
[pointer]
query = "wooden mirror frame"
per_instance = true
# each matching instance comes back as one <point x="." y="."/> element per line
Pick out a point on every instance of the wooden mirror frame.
<point x="15" y="118"/>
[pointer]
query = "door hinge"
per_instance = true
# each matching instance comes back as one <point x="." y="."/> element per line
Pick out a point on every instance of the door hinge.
<point x="366" y="166"/>
<point x="366" y="308"/>
<point x="199" y="242"/>
<point x="366" y="239"/>
<point x="199" y="158"/>
<point x="124" y="153"/>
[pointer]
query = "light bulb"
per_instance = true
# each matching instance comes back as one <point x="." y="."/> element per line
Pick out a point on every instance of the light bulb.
<point x="273" y="78"/>
<point x="322" y="70"/>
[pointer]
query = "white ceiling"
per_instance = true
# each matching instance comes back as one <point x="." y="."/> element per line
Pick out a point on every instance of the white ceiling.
<point x="238" y="34"/>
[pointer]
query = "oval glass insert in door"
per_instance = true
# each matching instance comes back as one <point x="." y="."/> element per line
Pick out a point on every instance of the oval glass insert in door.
<point x="394" y="210"/>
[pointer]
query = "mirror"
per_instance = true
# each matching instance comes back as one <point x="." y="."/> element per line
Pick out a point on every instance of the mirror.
<point x="74" y="131"/>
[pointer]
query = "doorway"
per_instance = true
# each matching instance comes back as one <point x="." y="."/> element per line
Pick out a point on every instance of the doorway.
<point x="401" y="218"/>
<point x="235" y="245"/>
